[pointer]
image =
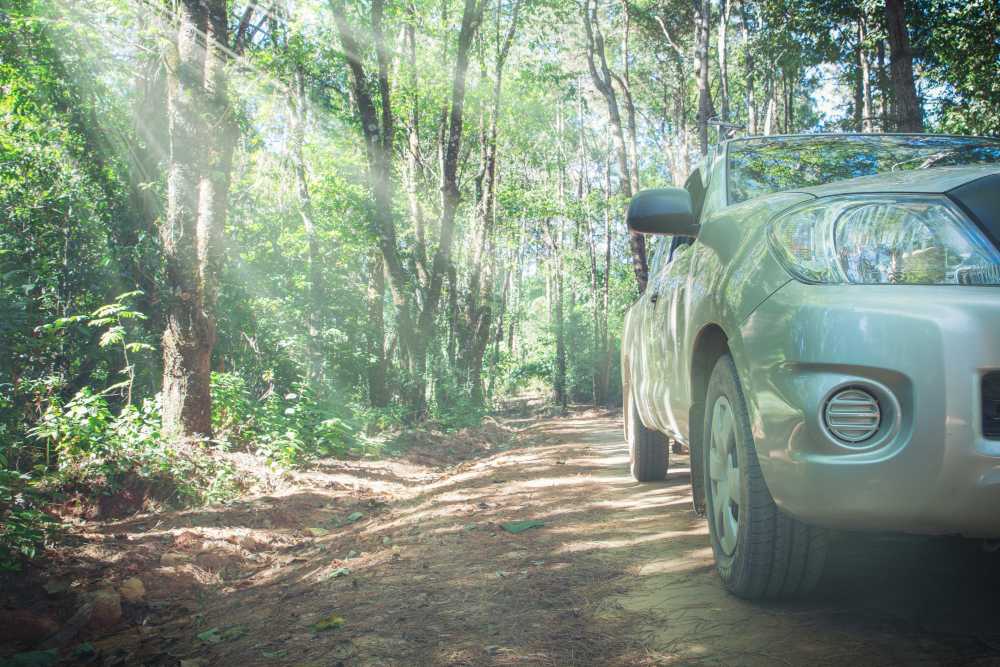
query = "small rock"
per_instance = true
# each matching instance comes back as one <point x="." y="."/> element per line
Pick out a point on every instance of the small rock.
<point x="20" y="625"/>
<point x="107" y="610"/>
<point x="132" y="590"/>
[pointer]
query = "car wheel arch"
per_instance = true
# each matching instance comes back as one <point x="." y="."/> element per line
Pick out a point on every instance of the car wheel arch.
<point x="710" y="344"/>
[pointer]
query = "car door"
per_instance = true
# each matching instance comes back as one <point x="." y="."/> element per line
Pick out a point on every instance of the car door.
<point x="665" y="322"/>
<point x="643" y="314"/>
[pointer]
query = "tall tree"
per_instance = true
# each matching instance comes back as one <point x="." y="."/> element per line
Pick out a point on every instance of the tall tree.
<point x="908" y="114"/>
<point x="416" y="328"/>
<point x="600" y="74"/>
<point x="702" y="25"/>
<point x="201" y="143"/>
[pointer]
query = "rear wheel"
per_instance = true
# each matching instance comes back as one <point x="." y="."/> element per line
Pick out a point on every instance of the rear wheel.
<point x="760" y="552"/>
<point x="648" y="453"/>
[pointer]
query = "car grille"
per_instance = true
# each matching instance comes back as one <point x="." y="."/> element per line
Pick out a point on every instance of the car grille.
<point x="991" y="405"/>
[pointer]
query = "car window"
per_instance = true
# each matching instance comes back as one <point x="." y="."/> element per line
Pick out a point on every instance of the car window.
<point x="660" y="250"/>
<point x="763" y="165"/>
<point x="695" y="185"/>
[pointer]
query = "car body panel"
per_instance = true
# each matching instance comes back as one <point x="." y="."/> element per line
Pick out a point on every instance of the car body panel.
<point x="922" y="351"/>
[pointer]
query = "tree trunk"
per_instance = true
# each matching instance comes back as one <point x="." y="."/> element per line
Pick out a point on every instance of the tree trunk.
<point x="864" y="65"/>
<point x="606" y="300"/>
<point x="377" y="360"/>
<point x="883" y="88"/>
<point x="480" y="310"/>
<point x="471" y="18"/>
<point x="201" y="142"/>
<point x="378" y="129"/>
<point x="315" y="292"/>
<point x="859" y="95"/>
<point x="723" y="46"/>
<point x="769" y="104"/>
<point x="603" y="81"/>
<point x="702" y="21"/>
<point x="750" y="74"/>
<point x="908" y="114"/>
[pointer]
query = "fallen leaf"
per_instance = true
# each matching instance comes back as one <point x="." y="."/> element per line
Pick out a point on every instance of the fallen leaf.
<point x="331" y="622"/>
<point x="318" y="532"/>
<point x="214" y="635"/>
<point x="210" y="636"/>
<point x="521" y="526"/>
<point x="355" y="516"/>
<point x="275" y="654"/>
<point x="339" y="572"/>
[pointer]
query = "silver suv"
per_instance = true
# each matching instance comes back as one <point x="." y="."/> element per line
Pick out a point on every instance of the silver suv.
<point x="822" y="328"/>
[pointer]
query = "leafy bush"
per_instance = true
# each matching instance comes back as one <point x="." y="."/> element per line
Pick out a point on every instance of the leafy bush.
<point x="23" y="528"/>
<point x="94" y="448"/>
<point x="286" y="429"/>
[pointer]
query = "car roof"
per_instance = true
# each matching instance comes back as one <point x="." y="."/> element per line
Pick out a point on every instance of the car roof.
<point x="809" y="135"/>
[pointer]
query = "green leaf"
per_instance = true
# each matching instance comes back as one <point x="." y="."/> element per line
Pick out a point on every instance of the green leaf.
<point x="329" y="622"/>
<point x="113" y="336"/>
<point x="521" y="526"/>
<point x="355" y="516"/>
<point x="210" y="636"/>
<point x="339" y="572"/>
<point x="275" y="654"/>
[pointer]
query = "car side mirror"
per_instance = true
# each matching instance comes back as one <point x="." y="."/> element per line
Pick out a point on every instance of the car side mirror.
<point x="662" y="211"/>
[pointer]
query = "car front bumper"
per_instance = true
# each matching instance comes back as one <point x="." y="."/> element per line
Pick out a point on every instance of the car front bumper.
<point x="922" y="351"/>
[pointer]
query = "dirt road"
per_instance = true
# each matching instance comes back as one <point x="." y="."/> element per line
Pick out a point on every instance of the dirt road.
<point x="406" y="564"/>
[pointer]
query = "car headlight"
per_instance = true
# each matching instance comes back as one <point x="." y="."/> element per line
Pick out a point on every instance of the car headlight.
<point x="883" y="239"/>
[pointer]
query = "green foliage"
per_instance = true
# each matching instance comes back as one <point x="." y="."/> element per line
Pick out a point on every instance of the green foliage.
<point x="287" y="430"/>
<point x="92" y="448"/>
<point x="23" y="526"/>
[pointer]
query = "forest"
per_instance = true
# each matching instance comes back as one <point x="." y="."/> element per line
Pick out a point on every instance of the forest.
<point x="290" y="228"/>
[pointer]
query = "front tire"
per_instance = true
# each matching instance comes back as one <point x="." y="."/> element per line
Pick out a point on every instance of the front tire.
<point x="760" y="552"/>
<point x="648" y="453"/>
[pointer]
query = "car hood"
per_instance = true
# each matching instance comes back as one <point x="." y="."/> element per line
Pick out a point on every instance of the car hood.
<point x="937" y="180"/>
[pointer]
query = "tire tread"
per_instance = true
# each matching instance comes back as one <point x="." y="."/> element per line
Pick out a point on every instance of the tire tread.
<point x="781" y="557"/>
<point x="649" y="453"/>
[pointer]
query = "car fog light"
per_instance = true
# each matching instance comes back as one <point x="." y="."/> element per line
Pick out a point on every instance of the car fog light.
<point x="852" y="415"/>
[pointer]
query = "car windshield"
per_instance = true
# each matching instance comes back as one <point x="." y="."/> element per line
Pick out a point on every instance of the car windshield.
<point x="764" y="165"/>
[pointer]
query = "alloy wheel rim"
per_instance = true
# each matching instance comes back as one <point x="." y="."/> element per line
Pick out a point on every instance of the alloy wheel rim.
<point x="724" y="475"/>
